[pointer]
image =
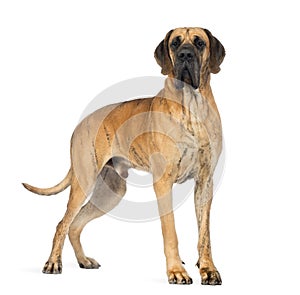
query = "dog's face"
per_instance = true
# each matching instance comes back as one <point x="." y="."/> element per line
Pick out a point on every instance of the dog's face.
<point x="189" y="54"/>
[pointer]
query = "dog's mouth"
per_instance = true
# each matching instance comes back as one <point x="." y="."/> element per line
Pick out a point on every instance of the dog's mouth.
<point x="187" y="74"/>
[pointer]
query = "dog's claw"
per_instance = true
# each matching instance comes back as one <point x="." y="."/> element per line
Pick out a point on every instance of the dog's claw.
<point x="53" y="267"/>
<point x="189" y="281"/>
<point x="180" y="278"/>
<point x="172" y="281"/>
<point x="210" y="277"/>
<point x="89" y="263"/>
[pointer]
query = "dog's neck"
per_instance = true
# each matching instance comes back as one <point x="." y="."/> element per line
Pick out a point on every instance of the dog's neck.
<point x="189" y="97"/>
<point x="206" y="92"/>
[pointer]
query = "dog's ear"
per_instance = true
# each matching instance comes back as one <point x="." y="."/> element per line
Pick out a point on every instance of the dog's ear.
<point x="217" y="53"/>
<point x="162" y="55"/>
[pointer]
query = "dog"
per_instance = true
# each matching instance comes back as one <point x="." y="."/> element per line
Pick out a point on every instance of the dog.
<point x="176" y="135"/>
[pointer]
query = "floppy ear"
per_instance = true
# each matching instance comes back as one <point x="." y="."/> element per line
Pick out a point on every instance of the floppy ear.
<point x="217" y="53"/>
<point x="162" y="55"/>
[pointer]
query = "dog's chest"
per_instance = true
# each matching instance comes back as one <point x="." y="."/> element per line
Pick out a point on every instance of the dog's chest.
<point x="201" y="138"/>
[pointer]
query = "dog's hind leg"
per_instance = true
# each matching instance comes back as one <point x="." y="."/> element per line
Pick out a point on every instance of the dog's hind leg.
<point x="108" y="192"/>
<point x="77" y="198"/>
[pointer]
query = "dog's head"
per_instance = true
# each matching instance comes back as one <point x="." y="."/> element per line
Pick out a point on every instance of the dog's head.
<point x="189" y="55"/>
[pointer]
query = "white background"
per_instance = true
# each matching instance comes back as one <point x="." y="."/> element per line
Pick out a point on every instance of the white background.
<point x="56" y="56"/>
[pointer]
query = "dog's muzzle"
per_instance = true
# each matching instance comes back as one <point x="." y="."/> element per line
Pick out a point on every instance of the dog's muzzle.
<point x="187" y="67"/>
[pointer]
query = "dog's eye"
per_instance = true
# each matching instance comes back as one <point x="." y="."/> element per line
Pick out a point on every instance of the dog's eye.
<point x="199" y="43"/>
<point x="175" y="43"/>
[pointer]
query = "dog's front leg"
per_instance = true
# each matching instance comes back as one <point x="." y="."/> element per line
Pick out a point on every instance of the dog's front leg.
<point x="175" y="270"/>
<point x="203" y="199"/>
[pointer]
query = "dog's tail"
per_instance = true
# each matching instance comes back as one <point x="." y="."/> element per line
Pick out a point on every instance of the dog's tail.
<point x="52" y="190"/>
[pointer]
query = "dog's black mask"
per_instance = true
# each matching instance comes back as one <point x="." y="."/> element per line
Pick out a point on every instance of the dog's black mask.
<point x="186" y="67"/>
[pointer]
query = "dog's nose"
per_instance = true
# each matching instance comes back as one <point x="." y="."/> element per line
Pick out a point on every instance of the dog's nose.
<point x="186" y="54"/>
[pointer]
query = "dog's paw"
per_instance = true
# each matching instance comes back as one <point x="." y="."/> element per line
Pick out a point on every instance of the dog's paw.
<point x="88" y="263"/>
<point x="210" y="277"/>
<point x="52" y="267"/>
<point x="179" y="277"/>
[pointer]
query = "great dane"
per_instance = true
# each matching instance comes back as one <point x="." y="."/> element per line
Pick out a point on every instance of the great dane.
<point x="175" y="135"/>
